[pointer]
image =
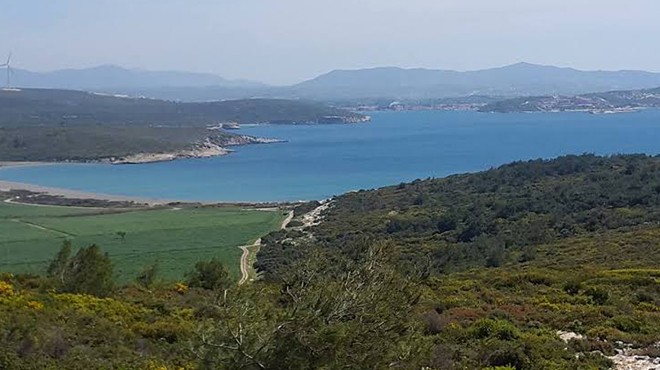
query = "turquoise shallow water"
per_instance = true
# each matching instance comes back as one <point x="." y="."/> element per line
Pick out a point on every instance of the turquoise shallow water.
<point x="321" y="161"/>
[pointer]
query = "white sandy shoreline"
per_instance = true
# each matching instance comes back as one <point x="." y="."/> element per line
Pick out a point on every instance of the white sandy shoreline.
<point x="26" y="164"/>
<point x="6" y="185"/>
<point x="77" y="194"/>
<point x="66" y="193"/>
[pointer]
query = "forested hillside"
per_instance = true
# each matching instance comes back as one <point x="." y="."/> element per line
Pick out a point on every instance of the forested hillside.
<point x="45" y="107"/>
<point x="511" y="257"/>
<point x="490" y="218"/>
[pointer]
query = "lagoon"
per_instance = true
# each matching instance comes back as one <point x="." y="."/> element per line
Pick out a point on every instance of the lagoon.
<point x="319" y="161"/>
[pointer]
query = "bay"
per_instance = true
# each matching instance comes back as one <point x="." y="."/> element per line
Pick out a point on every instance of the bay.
<point x="319" y="161"/>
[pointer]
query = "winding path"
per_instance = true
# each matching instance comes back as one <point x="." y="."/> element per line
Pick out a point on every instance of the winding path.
<point x="43" y="228"/>
<point x="245" y="266"/>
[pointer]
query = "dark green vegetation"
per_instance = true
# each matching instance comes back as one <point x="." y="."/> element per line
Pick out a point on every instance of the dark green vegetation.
<point x="474" y="271"/>
<point x="55" y="125"/>
<point x="595" y="102"/>
<point x="569" y="244"/>
<point x="44" y="107"/>
<point x="494" y="217"/>
<point x="134" y="238"/>
<point x="93" y="142"/>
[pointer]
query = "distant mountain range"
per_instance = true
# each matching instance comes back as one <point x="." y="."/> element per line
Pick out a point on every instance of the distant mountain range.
<point x="114" y="77"/>
<point x="605" y="102"/>
<point x="515" y="80"/>
<point x="522" y="79"/>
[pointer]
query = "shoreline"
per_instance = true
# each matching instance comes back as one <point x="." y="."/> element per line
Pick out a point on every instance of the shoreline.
<point x="6" y="186"/>
<point x="79" y="194"/>
<point x="12" y="164"/>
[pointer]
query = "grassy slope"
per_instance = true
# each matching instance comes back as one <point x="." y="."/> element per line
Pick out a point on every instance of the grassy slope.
<point x="175" y="239"/>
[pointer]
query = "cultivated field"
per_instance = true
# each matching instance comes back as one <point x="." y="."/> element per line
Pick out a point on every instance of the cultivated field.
<point x="174" y="238"/>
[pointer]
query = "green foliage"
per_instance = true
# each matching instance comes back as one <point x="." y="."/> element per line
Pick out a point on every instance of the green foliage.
<point x="489" y="328"/>
<point x="491" y="218"/>
<point x="573" y="287"/>
<point x="598" y="295"/>
<point x="209" y="275"/>
<point x="59" y="265"/>
<point x="147" y="276"/>
<point x="359" y="316"/>
<point x="89" y="271"/>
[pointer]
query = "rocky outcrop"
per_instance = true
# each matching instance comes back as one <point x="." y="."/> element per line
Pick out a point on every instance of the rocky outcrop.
<point x="626" y="357"/>
<point x="213" y="146"/>
<point x="204" y="150"/>
<point x="345" y="119"/>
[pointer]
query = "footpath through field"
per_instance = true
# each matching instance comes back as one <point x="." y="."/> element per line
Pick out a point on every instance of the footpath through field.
<point x="245" y="265"/>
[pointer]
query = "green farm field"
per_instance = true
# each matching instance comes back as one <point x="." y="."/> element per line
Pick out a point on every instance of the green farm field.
<point x="174" y="238"/>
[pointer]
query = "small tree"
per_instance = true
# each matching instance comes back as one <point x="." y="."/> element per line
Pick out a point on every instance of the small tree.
<point x="90" y="271"/>
<point x="209" y="275"/>
<point x="147" y="276"/>
<point x="121" y="235"/>
<point x="59" y="264"/>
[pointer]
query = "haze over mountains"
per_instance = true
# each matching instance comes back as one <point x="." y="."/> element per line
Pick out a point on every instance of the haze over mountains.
<point x="110" y="76"/>
<point x="522" y="79"/>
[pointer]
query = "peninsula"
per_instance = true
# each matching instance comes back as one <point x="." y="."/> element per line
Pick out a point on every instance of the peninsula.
<point x="64" y="125"/>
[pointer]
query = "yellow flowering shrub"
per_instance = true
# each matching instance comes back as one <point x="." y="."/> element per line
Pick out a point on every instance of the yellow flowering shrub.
<point x="180" y="288"/>
<point x="35" y="305"/>
<point x="156" y="365"/>
<point x="184" y="313"/>
<point x="109" y="308"/>
<point x="6" y="289"/>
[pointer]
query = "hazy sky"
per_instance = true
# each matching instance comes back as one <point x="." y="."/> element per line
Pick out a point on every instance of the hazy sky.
<point x="285" y="41"/>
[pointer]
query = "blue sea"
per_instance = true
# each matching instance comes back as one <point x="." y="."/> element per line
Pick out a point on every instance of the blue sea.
<point x="319" y="161"/>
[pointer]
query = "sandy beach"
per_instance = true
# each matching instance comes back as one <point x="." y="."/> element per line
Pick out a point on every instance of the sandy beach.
<point x="23" y="164"/>
<point x="76" y="194"/>
<point x="68" y="193"/>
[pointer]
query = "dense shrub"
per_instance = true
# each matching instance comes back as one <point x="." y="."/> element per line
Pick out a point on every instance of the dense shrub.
<point x="209" y="275"/>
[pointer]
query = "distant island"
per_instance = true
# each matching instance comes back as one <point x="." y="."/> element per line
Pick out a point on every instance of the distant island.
<point x="66" y="125"/>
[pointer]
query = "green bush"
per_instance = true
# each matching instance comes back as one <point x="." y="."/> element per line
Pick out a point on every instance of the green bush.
<point x="89" y="271"/>
<point x="598" y="296"/>
<point x="209" y="275"/>
<point x="489" y="328"/>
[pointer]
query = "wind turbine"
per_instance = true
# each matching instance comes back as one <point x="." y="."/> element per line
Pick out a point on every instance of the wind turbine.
<point x="7" y="66"/>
